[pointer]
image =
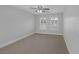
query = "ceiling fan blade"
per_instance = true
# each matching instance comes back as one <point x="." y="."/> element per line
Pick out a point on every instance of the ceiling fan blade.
<point x="32" y="8"/>
<point x="46" y="9"/>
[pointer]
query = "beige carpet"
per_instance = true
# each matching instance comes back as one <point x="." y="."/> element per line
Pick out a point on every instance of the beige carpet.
<point x="37" y="44"/>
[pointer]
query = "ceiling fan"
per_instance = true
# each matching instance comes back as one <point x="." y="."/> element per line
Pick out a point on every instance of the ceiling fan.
<point x="40" y="9"/>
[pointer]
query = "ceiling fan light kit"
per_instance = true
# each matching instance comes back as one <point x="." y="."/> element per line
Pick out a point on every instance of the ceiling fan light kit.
<point x="40" y="9"/>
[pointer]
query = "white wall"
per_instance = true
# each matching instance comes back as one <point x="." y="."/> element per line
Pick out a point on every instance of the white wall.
<point x="14" y="23"/>
<point x="71" y="28"/>
<point x="58" y="30"/>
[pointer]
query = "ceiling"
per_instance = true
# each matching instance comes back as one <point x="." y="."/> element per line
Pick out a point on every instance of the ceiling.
<point x="53" y="8"/>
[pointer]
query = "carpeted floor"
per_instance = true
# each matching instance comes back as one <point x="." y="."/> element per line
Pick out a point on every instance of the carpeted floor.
<point x="37" y="44"/>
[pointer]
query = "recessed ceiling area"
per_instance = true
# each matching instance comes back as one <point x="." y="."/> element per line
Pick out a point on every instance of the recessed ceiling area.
<point x="53" y="8"/>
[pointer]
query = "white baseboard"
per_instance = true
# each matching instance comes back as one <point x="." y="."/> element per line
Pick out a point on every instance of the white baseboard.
<point x="17" y="39"/>
<point x="49" y="33"/>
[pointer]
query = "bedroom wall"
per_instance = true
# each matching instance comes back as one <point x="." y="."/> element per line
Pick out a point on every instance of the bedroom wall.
<point x="14" y="24"/>
<point x="58" y="30"/>
<point x="71" y="28"/>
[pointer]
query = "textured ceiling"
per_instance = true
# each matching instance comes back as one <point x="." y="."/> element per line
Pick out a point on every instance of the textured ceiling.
<point x="53" y="8"/>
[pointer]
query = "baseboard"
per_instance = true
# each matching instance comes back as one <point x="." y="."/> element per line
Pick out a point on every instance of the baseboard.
<point x="49" y="33"/>
<point x="17" y="39"/>
<point x="67" y="45"/>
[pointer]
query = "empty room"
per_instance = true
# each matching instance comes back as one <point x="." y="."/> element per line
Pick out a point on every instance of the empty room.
<point x="39" y="29"/>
